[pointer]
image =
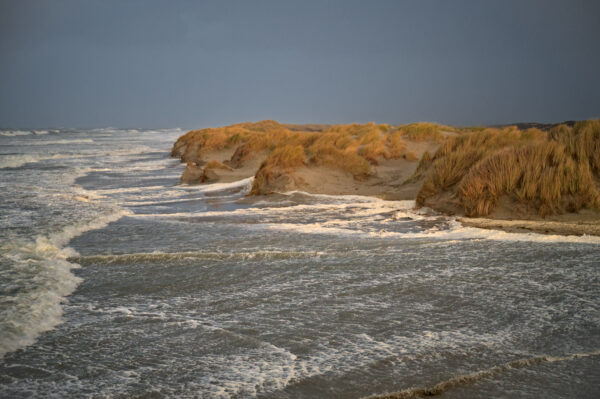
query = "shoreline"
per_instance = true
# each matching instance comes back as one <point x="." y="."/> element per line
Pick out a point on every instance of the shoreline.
<point x="453" y="171"/>
<point x="575" y="228"/>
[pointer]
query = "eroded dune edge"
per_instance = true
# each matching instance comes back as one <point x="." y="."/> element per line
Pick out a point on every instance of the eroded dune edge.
<point x="530" y="177"/>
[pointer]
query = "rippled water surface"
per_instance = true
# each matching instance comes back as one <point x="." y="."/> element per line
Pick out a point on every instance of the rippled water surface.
<point x="116" y="281"/>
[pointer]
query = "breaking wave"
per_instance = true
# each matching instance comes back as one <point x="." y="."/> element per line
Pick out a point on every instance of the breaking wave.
<point x="242" y="184"/>
<point x="14" y="133"/>
<point x="15" y="161"/>
<point x="57" y="142"/>
<point x="35" y="305"/>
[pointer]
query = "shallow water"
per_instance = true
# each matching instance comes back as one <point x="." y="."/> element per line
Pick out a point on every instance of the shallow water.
<point x="117" y="281"/>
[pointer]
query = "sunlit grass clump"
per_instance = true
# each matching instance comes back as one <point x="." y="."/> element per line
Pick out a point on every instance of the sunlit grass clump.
<point x="424" y="131"/>
<point x="353" y="148"/>
<point x="551" y="173"/>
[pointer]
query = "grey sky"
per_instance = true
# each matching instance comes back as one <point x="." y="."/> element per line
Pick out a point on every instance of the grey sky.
<point x="194" y="64"/>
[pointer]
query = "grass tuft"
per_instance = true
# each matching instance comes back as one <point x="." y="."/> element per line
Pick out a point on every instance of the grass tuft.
<point x="552" y="173"/>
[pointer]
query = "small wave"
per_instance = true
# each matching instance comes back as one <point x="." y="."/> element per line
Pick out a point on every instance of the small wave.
<point x="358" y="209"/>
<point x="337" y="198"/>
<point x="467" y="379"/>
<point x="126" y="189"/>
<point x="15" y="161"/>
<point x="35" y="309"/>
<point x="452" y="230"/>
<point x="170" y="256"/>
<point x="56" y="142"/>
<point x="209" y="188"/>
<point x="13" y="133"/>
<point x="457" y="230"/>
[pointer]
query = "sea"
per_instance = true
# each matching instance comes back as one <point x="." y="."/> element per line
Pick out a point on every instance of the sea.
<point x="117" y="281"/>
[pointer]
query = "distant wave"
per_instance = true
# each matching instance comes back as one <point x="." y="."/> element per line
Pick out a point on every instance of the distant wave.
<point x="15" y="133"/>
<point x="55" y="142"/>
<point x="467" y="379"/>
<point x="15" y="161"/>
<point x="33" y="310"/>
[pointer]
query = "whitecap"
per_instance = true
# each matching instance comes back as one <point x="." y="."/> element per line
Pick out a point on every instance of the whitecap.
<point x="9" y="133"/>
<point x="15" y="161"/>
<point x="210" y="188"/>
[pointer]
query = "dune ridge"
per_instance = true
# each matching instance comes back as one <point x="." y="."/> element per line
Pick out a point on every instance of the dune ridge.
<point x="548" y="175"/>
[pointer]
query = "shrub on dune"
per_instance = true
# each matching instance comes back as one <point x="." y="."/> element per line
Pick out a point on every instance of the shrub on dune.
<point x="396" y="145"/>
<point x="348" y="160"/>
<point x="551" y="173"/>
<point x="422" y="131"/>
<point x="279" y="164"/>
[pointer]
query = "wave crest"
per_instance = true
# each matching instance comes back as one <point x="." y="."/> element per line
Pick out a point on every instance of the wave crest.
<point x="34" y="309"/>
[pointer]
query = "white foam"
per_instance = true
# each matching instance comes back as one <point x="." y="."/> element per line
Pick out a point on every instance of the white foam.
<point x="210" y="188"/>
<point x="357" y="209"/>
<point x="37" y="309"/>
<point x="56" y="142"/>
<point x="455" y="232"/>
<point x="127" y="189"/>
<point x="15" y="161"/>
<point x="346" y="197"/>
<point x="460" y="231"/>
<point x="13" y="133"/>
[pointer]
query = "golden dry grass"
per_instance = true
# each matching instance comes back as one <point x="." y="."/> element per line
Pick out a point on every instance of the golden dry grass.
<point x="352" y="147"/>
<point x="280" y="162"/>
<point x="423" y="131"/>
<point x="286" y="157"/>
<point x="552" y="173"/>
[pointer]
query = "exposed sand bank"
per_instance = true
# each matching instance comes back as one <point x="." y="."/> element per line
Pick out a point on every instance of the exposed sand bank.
<point x="386" y="181"/>
<point x="373" y="160"/>
<point x="574" y="227"/>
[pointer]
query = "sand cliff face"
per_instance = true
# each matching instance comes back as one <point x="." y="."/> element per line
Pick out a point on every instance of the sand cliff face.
<point x="366" y="159"/>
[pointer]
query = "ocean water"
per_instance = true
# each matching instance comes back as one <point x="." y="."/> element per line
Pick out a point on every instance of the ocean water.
<point x="116" y="281"/>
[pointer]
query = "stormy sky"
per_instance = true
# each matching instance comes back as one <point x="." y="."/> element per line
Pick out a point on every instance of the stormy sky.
<point x="92" y="63"/>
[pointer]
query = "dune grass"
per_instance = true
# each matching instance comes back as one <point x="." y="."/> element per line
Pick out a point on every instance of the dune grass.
<point x="280" y="162"/>
<point x="353" y="148"/>
<point x="423" y="131"/>
<point x="551" y="173"/>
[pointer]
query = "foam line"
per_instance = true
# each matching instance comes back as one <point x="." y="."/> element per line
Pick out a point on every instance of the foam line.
<point x="35" y="311"/>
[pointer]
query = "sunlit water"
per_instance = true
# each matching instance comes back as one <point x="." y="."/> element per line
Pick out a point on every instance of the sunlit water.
<point x="118" y="282"/>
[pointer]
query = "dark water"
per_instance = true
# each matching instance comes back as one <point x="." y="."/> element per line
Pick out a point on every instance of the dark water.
<point x="117" y="282"/>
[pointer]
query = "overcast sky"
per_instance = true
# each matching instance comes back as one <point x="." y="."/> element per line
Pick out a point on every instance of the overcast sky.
<point x="194" y="64"/>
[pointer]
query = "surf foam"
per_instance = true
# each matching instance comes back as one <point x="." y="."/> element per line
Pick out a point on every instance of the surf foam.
<point x="36" y="306"/>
